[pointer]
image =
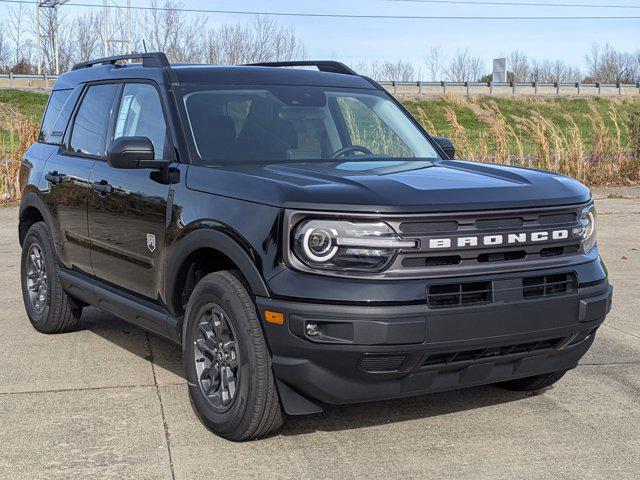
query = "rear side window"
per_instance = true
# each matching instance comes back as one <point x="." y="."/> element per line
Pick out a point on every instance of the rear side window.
<point x="55" y="105"/>
<point x="92" y="120"/>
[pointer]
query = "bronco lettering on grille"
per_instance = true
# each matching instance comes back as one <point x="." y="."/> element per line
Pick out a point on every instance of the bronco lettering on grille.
<point x="495" y="240"/>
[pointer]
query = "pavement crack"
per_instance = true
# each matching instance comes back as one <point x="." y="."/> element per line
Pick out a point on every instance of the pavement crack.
<point x="622" y="331"/>
<point x="167" y="437"/>
<point x="64" y="390"/>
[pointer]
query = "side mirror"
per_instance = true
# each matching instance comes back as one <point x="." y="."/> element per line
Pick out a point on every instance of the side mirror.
<point x="446" y="146"/>
<point x="133" y="152"/>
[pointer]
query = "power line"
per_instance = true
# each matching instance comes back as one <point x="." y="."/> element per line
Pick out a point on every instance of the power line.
<point x="519" y="4"/>
<point x="348" y="15"/>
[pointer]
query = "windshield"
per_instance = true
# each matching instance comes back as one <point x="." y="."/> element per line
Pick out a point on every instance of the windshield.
<point x="279" y="123"/>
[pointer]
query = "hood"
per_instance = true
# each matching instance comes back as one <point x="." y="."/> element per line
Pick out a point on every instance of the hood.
<point x="389" y="186"/>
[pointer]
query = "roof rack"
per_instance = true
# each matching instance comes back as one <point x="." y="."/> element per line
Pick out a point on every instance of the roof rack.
<point x="151" y="59"/>
<point x="322" y="65"/>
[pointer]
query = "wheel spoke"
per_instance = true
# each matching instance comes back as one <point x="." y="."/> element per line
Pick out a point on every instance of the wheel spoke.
<point x="205" y="329"/>
<point x="219" y="325"/>
<point x="204" y="347"/>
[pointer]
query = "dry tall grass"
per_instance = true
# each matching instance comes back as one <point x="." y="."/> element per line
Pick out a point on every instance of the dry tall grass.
<point x="20" y="134"/>
<point x="609" y="161"/>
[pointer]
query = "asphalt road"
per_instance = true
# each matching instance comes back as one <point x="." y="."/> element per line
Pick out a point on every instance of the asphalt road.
<point x="110" y="400"/>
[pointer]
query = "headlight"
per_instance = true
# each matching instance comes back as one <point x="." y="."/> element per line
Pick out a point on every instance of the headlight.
<point x="345" y="245"/>
<point x="587" y="231"/>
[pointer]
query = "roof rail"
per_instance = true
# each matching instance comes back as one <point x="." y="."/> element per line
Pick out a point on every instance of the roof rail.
<point x="322" y="65"/>
<point x="151" y="59"/>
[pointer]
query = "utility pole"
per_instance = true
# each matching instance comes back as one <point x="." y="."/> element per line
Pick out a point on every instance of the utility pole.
<point x="106" y="40"/>
<point x="53" y="36"/>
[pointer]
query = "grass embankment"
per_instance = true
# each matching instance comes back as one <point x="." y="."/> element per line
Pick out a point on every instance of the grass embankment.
<point x="20" y="114"/>
<point x="596" y="140"/>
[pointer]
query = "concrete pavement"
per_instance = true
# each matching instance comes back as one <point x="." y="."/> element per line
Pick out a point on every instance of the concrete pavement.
<point x="110" y="401"/>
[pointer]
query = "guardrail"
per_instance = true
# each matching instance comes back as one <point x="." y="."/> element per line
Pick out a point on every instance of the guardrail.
<point x="512" y="88"/>
<point x="44" y="82"/>
<point x="24" y="81"/>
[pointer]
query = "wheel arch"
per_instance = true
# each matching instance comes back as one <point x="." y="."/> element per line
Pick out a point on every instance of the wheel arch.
<point x="32" y="210"/>
<point x="219" y="249"/>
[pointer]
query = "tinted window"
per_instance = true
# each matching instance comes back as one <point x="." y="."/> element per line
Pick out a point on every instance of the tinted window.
<point x="140" y="115"/>
<point x="55" y="105"/>
<point x="90" y="127"/>
<point x="289" y="123"/>
<point x="366" y="128"/>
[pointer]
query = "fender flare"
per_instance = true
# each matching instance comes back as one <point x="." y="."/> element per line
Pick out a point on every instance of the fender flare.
<point x="216" y="240"/>
<point x="32" y="200"/>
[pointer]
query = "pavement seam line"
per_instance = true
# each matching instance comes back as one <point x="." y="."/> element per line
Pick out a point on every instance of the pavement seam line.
<point x="615" y="364"/>
<point x="620" y="330"/>
<point x="88" y="389"/>
<point x="164" y="418"/>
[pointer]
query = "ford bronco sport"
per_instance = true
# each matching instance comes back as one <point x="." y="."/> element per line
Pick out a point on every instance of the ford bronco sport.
<point x="302" y="237"/>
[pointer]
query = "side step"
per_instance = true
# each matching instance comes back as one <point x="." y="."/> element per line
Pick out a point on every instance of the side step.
<point x="134" y="310"/>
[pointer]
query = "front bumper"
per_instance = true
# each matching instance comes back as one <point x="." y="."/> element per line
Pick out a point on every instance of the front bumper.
<point x="368" y="353"/>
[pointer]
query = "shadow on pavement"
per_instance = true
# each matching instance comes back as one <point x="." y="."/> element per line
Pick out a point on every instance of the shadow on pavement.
<point x="168" y="355"/>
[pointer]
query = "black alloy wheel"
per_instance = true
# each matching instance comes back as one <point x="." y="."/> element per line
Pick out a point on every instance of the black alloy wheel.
<point x="216" y="357"/>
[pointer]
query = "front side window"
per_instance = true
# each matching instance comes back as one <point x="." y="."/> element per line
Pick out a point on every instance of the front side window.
<point x="300" y="123"/>
<point x="140" y="115"/>
<point x="92" y="120"/>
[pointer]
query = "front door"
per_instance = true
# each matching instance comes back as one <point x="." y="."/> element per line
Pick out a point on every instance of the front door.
<point x="127" y="208"/>
<point x="68" y="170"/>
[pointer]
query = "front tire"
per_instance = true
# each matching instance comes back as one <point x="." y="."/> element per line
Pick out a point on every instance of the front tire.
<point x="49" y="308"/>
<point x="227" y="363"/>
<point x="529" y="384"/>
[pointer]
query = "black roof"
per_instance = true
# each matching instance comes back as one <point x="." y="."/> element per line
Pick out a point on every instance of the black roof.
<point x="156" y="67"/>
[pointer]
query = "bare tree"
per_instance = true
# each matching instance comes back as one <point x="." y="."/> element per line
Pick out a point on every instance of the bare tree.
<point x="399" y="71"/>
<point x="262" y="40"/>
<point x="518" y="67"/>
<point x="54" y="27"/>
<point x="5" y="51"/>
<point x="170" y="31"/>
<point x="17" y="23"/>
<point x="434" y="59"/>
<point x="86" y="33"/>
<point x="607" y="65"/>
<point x="464" y="67"/>
<point x="369" y="68"/>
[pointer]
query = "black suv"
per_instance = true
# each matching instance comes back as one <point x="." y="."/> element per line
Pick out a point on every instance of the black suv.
<point x="302" y="237"/>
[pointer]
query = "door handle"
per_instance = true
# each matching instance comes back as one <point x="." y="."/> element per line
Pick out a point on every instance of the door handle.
<point x="54" y="177"/>
<point x="102" y="187"/>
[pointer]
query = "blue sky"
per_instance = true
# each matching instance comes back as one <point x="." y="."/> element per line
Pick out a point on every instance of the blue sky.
<point x="354" y="40"/>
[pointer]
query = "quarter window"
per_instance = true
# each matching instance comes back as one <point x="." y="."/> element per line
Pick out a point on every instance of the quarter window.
<point x="56" y="102"/>
<point x="90" y="127"/>
<point x="140" y="115"/>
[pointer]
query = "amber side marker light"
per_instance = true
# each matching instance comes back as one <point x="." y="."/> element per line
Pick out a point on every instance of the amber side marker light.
<point x="274" y="317"/>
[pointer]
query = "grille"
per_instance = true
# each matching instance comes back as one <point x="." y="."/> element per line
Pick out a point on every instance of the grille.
<point x="449" y="358"/>
<point x="557" y="219"/>
<point x="426" y="228"/>
<point x="459" y="294"/>
<point x="381" y="363"/>
<point x="498" y="223"/>
<point x="480" y="257"/>
<point x="548" y="285"/>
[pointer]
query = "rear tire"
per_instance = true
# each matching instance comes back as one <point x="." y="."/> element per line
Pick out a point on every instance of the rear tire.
<point x="49" y="308"/>
<point x="227" y="362"/>
<point x="537" y="382"/>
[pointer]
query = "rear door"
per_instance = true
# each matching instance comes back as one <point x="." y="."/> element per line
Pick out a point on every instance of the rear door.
<point x="67" y="171"/>
<point x="127" y="208"/>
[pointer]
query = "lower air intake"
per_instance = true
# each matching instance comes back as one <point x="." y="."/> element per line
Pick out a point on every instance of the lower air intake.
<point x="459" y="294"/>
